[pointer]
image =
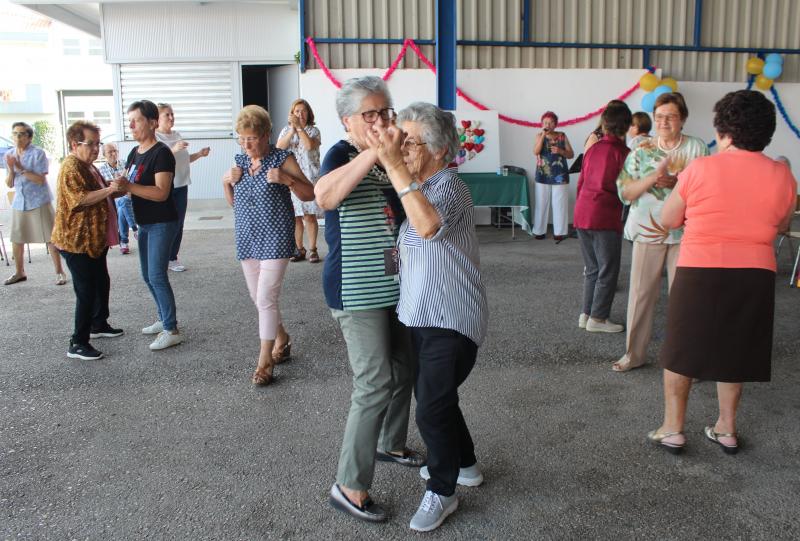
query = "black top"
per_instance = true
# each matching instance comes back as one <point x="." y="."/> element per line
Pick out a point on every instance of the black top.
<point x="142" y="169"/>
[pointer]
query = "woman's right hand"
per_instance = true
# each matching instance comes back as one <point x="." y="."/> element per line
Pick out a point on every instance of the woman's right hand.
<point x="232" y="175"/>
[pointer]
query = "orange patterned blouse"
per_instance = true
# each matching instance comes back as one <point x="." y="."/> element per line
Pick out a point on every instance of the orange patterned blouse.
<point x="79" y="229"/>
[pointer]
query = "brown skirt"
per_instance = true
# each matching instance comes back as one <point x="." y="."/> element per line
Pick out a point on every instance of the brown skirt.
<point x="32" y="226"/>
<point x="719" y="324"/>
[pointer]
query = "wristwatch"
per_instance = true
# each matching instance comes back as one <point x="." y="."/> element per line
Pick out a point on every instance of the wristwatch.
<point x="413" y="187"/>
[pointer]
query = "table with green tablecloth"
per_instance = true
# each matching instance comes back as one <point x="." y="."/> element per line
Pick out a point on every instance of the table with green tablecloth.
<point x="493" y="190"/>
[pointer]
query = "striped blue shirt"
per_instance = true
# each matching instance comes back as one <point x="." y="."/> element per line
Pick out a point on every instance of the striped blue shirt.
<point x="440" y="279"/>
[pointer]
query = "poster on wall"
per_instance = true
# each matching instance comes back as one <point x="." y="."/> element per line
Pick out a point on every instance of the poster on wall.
<point x="479" y="137"/>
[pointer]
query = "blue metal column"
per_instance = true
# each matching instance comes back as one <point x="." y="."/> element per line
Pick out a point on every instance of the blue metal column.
<point x="698" y="22"/>
<point x="301" y="7"/>
<point x="526" y="20"/>
<point x="446" y="54"/>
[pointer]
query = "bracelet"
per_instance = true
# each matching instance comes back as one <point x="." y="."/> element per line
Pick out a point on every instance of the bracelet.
<point x="413" y="187"/>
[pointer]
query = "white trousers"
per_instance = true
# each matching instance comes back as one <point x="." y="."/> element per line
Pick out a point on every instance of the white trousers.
<point x="559" y="195"/>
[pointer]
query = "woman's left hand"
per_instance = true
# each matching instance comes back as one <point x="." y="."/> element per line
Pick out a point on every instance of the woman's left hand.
<point x="387" y="144"/>
<point x="204" y="151"/>
<point x="274" y="176"/>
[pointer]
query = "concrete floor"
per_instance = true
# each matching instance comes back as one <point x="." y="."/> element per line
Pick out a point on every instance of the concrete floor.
<point x="178" y="444"/>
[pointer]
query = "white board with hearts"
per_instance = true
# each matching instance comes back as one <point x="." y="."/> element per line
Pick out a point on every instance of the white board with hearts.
<point x="479" y="141"/>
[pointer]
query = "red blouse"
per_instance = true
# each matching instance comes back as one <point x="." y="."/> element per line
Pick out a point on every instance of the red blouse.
<point x="597" y="205"/>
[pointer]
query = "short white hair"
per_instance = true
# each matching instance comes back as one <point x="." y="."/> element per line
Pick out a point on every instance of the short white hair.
<point x="438" y="127"/>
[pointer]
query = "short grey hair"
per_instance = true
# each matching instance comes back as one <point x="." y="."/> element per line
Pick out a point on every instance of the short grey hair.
<point x="353" y="92"/>
<point x="438" y="127"/>
<point x="108" y="146"/>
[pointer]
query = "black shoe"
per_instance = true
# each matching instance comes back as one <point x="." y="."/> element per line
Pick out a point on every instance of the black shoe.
<point x="540" y="237"/>
<point x="369" y="511"/>
<point x="409" y="458"/>
<point x="83" y="351"/>
<point x="106" y="332"/>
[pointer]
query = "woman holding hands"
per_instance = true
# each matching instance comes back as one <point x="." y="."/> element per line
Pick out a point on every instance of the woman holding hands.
<point x="258" y="189"/>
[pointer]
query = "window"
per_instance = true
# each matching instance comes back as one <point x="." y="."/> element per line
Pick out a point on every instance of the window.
<point x="95" y="47"/>
<point x="74" y="116"/>
<point x="102" y="117"/>
<point x="72" y="47"/>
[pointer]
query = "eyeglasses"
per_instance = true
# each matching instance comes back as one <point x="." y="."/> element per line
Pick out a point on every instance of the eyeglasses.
<point x="667" y="118"/>
<point x="372" y="116"/>
<point x="19" y="134"/>
<point x="246" y="139"/>
<point x="93" y="144"/>
<point x="408" y="143"/>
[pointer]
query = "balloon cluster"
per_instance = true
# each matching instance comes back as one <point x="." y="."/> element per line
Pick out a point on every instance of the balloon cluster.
<point x="766" y="70"/>
<point x="654" y="88"/>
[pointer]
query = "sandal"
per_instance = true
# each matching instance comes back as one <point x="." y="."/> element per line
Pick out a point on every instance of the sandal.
<point x="61" y="278"/>
<point x="263" y="376"/>
<point x="14" y="278"/>
<point x="283" y="354"/>
<point x="621" y="366"/>
<point x="715" y="436"/>
<point x="661" y="439"/>
<point x="299" y="255"/>
<point x="313" y="256"/>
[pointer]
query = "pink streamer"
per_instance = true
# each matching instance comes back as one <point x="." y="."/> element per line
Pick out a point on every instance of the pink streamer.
<point x="409" y="43"/>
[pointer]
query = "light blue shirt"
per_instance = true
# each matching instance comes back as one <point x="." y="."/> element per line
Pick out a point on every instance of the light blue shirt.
<point x="440" y="279"/>
<point x="30" y="195"/>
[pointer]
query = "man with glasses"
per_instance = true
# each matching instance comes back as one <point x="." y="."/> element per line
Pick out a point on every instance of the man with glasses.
<point x="113" y="168"/>
<point x="32" y="212"/>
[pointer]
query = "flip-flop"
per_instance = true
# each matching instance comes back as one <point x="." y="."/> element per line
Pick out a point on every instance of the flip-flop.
<point x="714" y="437"/>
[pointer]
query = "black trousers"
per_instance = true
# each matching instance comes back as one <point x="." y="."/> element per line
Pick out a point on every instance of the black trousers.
<point x="92" y="286"/>
<point x="444" y="360"/>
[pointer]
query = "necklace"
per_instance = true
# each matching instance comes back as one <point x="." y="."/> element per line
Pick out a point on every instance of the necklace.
<point x="673" y="149"/>
<point x="353" y="143"/>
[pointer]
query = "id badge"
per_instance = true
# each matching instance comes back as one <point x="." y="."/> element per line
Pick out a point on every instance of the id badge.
<point x="391" y="261"/>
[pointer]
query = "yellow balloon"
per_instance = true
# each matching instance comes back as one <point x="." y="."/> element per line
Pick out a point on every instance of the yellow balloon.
<point x="670" y="82"/>
<point x="648" y="82"/>
<point x="762" y="83"/>
<point x="754" y="65"/>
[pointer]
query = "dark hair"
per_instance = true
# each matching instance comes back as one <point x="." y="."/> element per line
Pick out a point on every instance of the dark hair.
<point x="677" y="99"/>
<point x="616" y="118"/>
<point x="642" y="122"/>
<point x="75" y="133"/>
<point x="148" y="109"/>
<point x="747" y="117"/>
<point x="27" y="127"/>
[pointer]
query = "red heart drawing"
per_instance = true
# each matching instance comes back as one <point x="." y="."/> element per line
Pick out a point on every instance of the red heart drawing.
<point x="470" y="146"/>
<point x="478" y="147"/>
<point x="478" y="131"/>
<point x="466" y="123"/>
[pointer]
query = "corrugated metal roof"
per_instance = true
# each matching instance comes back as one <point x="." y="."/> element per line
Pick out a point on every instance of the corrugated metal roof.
<point x="725" y="23"/>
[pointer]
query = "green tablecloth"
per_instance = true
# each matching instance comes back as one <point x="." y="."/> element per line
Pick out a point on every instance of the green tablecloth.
<point x="493" y="190"/>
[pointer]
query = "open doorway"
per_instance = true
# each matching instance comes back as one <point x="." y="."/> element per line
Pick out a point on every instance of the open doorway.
<point x="272" y="87"/>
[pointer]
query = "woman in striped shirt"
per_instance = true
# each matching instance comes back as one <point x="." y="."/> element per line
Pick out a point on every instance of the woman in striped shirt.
<point x="442" y="298"/>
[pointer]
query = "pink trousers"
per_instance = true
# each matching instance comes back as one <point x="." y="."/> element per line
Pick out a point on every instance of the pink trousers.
<point x="264" y="280"/>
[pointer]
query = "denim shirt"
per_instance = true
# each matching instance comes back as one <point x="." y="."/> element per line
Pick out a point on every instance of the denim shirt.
<point x="30" y="195"/>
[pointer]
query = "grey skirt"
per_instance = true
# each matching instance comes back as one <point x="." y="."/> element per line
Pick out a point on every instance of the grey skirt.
<point x="32" y="226"/>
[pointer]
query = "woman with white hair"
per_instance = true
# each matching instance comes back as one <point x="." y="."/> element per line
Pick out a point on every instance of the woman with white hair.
<point x="442" y="298"/>
<point x="362" y="219"/>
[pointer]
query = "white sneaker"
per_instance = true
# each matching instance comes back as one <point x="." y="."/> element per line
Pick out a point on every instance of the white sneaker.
<point x="468" y="477"/>
<point x="432" y="511"/>
<point x="176" y="266"/>
<point x="582" y="319"/>
<point x="166" y="339"/>
<point x="155" y="328"/>
<point x="603" y="326"/>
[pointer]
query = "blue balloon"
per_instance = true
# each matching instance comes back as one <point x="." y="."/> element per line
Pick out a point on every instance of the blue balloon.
<point x="648" y="102"/>
<point x="774" y="58"/>
<point x="662" y="89"/>
<point x="772" y="70"/>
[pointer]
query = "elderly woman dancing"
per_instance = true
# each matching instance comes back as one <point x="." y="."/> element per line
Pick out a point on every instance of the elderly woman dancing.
<point x="722" y="304"/>
<point x="442" y="299"/>
<point x="646" y="179"/>
<point x="258" y="189"/>
<point x="361" y="289"/>
<point x="85" y="228"/>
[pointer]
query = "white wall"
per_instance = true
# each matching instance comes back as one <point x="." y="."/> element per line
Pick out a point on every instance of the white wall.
<point x="527" y="93"/>
<point x="204" y="31"/>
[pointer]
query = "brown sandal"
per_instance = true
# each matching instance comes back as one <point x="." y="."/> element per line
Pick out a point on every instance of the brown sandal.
<point x="263" y="376"/>
<point x="313" y="256"/>
<point x="284" y="353"/>
<point x="299" y="255"/>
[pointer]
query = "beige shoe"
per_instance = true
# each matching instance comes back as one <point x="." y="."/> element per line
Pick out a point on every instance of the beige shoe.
<point x="61" y="278"/>
<point x="14" y="278"/>
<point x="593" y="325"/>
